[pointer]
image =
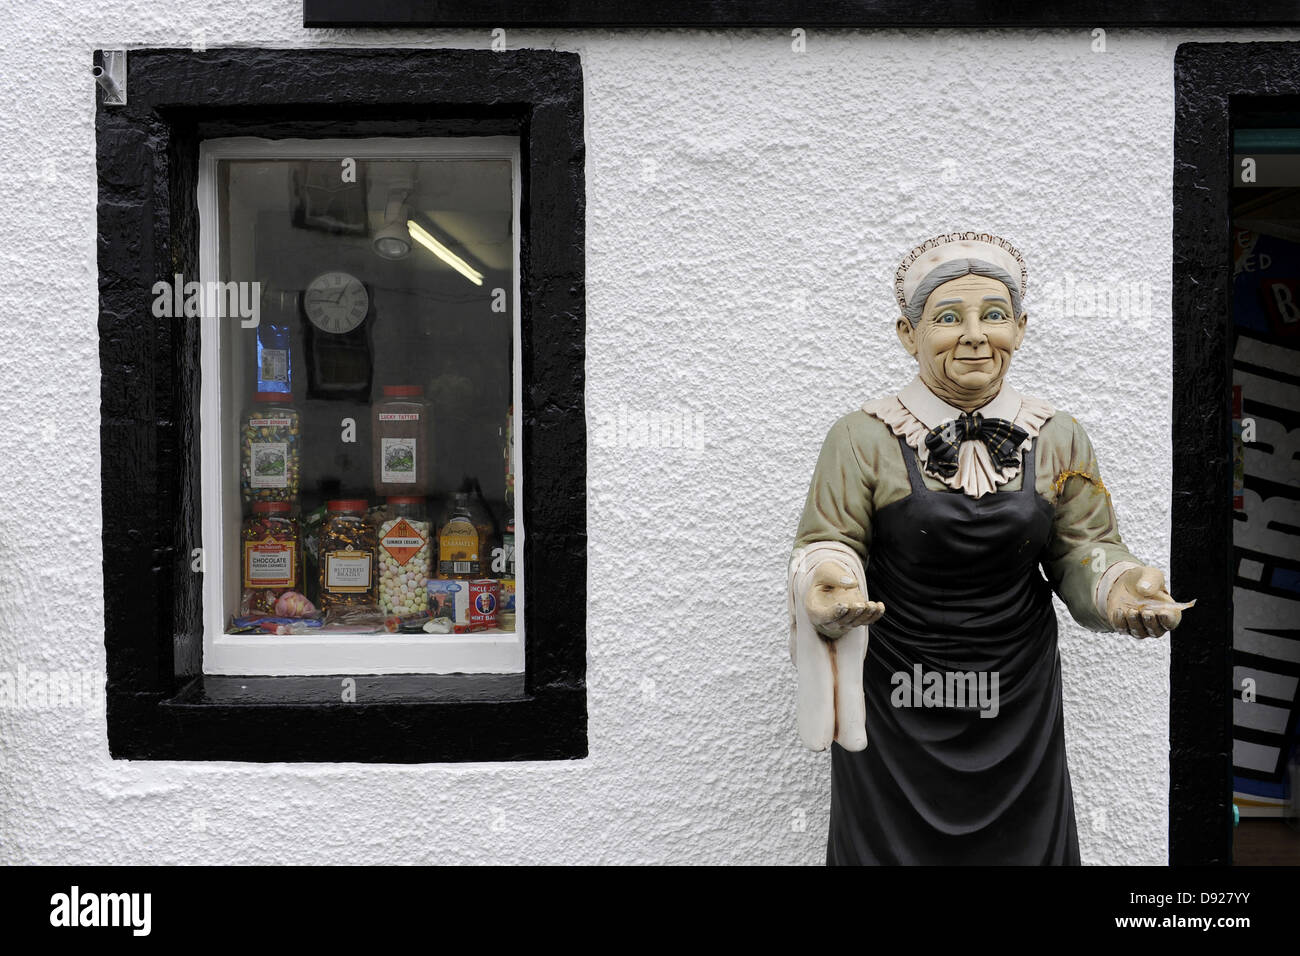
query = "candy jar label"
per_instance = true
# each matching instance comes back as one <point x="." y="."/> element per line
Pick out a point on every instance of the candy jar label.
<point x="402" y="541"/>
<point x="270" y="464"/>
<point x="347" y="571"/>
<point x="398" y="460"/>
<point x="268" y="564"/>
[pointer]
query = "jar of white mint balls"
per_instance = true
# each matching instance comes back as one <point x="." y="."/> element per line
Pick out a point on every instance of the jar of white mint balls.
<point x="404" y="548"/>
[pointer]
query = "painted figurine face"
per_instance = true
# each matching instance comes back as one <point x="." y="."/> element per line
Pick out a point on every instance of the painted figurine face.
<point x="965" y="338"/>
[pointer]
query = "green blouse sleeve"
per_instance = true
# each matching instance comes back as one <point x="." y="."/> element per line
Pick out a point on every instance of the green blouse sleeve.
<point x="838" y="507"/>
<point x="1085" y="537"/>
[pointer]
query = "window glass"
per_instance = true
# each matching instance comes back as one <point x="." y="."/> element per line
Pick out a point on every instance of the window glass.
<point x="1265" y="213"/>
<point x="366" y="344"/>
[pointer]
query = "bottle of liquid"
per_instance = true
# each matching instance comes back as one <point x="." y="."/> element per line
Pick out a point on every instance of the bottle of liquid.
<point x="486" y="528"/>
<point x="460" y="542"/>
<point x="509" y="454"/>
<point x="503" y="556"/>
<point x="506" y="583"/>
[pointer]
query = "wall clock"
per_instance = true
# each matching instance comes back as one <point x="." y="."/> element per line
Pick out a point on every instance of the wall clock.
<point x="339" y="362"/>
<point x="336" y="302"/>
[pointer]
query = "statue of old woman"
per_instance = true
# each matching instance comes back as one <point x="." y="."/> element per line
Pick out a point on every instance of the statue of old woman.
<point x="938" y="523"/>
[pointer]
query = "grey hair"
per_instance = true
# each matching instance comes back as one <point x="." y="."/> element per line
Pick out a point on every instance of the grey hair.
<point x="955" y="270"/>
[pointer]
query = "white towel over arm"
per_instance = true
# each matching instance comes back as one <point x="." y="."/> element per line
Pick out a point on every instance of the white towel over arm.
<point x="831" y="705"/>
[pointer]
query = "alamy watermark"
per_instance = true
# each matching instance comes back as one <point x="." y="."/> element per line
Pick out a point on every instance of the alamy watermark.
<point x="75" y="908"/>
<point x="25" y="689"/>
<point x="176" y="298"/>
<point x="964" y="690"/>
<point x="1109" y="297"/>
<point x="649" y="428"/>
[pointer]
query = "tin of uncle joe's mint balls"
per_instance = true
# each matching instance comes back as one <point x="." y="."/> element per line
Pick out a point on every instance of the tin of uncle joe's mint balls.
<point x="469" y="605"/>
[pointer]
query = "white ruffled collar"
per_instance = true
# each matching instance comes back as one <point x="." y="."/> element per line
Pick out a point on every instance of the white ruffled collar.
<point x="912" y="412"/>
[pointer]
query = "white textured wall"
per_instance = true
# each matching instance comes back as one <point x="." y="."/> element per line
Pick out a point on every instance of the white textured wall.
<point x="746" y="209"/>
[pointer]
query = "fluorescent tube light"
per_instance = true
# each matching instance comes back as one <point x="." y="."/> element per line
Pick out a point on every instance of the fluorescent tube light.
<point x="442" y="252"/>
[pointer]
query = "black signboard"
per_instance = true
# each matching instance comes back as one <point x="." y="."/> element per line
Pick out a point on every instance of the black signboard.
<point x="797" y="13"/>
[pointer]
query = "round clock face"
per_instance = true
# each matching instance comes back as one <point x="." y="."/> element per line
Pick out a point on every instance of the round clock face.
<point x="336" y="302"/>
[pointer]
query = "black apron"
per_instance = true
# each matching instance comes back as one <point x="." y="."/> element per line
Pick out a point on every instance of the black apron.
<point x="963" y="593"/>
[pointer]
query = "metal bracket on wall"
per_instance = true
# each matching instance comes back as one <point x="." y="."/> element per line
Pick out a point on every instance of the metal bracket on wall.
<point x="110" y="74"/>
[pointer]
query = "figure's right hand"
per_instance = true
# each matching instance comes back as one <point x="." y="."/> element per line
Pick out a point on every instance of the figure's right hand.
<point x="836" y="604"/>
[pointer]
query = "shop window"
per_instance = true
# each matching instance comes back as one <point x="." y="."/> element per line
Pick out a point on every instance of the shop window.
<point x="341" y="349"/>
<point x="1233" y="547"/>
<point x="359" y="479"/>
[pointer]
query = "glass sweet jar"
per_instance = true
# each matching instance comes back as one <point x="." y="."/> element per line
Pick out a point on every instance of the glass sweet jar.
<point x="405" y="546"/>
<point x="346" y="555"/>
<point x="403" y="449"/>
<point x="269" y="450"/>
<point x="272" y="556"/>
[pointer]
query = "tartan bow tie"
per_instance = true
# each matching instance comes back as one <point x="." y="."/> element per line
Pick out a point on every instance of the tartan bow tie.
<point x="1002" y="437"/>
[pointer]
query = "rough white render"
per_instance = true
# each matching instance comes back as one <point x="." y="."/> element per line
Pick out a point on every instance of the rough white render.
<point x="747" y="206"/>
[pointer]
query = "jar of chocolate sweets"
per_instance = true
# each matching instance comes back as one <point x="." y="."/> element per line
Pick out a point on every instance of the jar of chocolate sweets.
<point x="272" y="556"/>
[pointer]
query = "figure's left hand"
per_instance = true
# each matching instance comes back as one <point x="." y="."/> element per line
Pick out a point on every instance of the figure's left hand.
<point x="1133" y="604"/>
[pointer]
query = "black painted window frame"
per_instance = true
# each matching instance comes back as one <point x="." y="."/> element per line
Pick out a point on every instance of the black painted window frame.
<point x="1211" y="82"/>
<point x="159" y="703"/>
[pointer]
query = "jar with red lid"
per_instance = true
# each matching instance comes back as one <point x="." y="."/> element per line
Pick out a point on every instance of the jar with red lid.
<point x="346" y="551"/>
<point x="269" y="450"/>
<point x="402" y="444"/>
<point x="406" y="540"/>
<point x="272" y="556"/>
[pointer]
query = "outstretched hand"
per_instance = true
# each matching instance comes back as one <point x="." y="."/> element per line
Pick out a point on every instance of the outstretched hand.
<point x="836" y="604"/>
<point x="1140" y="604"/>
